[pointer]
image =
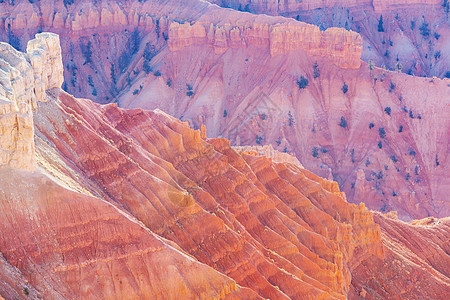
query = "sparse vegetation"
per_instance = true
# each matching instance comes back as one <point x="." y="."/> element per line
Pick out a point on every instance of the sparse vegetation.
<point x="437" y="55"/>
<point x="343" y="123"/>
<point x="291" y="119"/>
<point x="316" y="72"/>
<point x="424" y="30"/>
<point x="259" y="139"/>
<point x="382" y="132"/>
<point x="190" y="91"/>
<point x="302" y="82"/>
<point x="345" y="88"/>
<point x="146" y="67"/>
<point x="87" y="52"/>
<point x="391" y="87"/>
<point x="387" y="110"/>
<point x="315" y="152"/>
<point x="380" y="24"/>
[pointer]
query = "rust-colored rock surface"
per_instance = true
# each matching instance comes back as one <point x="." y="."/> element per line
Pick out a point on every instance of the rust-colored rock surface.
<point x="384" y="139"/>
<point x="130" y="203"/>
<point x="417" y="251"/>
<point x="383" y="136"/>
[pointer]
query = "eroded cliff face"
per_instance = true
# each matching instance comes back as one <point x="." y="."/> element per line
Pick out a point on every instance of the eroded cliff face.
<point x="58" y="239"/>
<point x="340" y="46"/>
<point x="288" y="6"/>
<point x="25" y="79"/>
<point x="410" y="249"/>
<point x="407" y="35"/>
<point x="128" y="203"/>
<point x="381" y="135"/>
<point x="103" y="41"/>
<point x="224" y="68"/>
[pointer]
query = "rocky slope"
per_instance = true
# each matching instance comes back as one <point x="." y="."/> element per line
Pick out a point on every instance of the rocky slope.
<point x="119" y="199"/>
<point x="60" y="243"/>
<point x="240" y="75"/>
<point x="412" y="36"/>
<point x="381" y="135"/>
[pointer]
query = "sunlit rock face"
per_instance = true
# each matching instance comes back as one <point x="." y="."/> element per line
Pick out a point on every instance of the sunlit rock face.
<point x="25" y="78"/>
<point x="132" y="203"/>
<point x="380" y="134"/>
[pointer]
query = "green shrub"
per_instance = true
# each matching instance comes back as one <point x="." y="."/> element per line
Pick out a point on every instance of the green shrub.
<point x="343" y="123"/>
<point x="302" y="82"/>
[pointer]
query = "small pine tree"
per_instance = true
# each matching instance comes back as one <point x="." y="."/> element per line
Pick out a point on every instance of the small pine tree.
<point x="315" y="152"/>
<point x="382" y="132"/>
<point x="316" y="70"/>
<point x="343" y="123"/>
<point x="345" y="88"/>
<point x="380" y="24"/>
<point x="424" y="30"/>
<point x="302" y="82"/>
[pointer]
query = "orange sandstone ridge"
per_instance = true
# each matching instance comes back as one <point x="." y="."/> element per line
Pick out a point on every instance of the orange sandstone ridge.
<point x="239" y="75"/>
<point x="135" y="204"/>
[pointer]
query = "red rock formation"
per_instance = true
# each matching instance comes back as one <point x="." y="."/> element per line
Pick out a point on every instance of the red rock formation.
<point x="134" y="203"/>
<point x="68" y="244"/>
<point x="394" y="165"/>
<point x="404" y="38"/>
<point x="412" y="250"/>
<point x="248" y="66"/>
<point x="340" y="46"/>
<point x="97" y="37"/>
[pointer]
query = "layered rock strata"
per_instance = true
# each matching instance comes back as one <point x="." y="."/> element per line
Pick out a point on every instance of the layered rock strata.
<point x="135" y="204"/>
<point x="25" y="80"/>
